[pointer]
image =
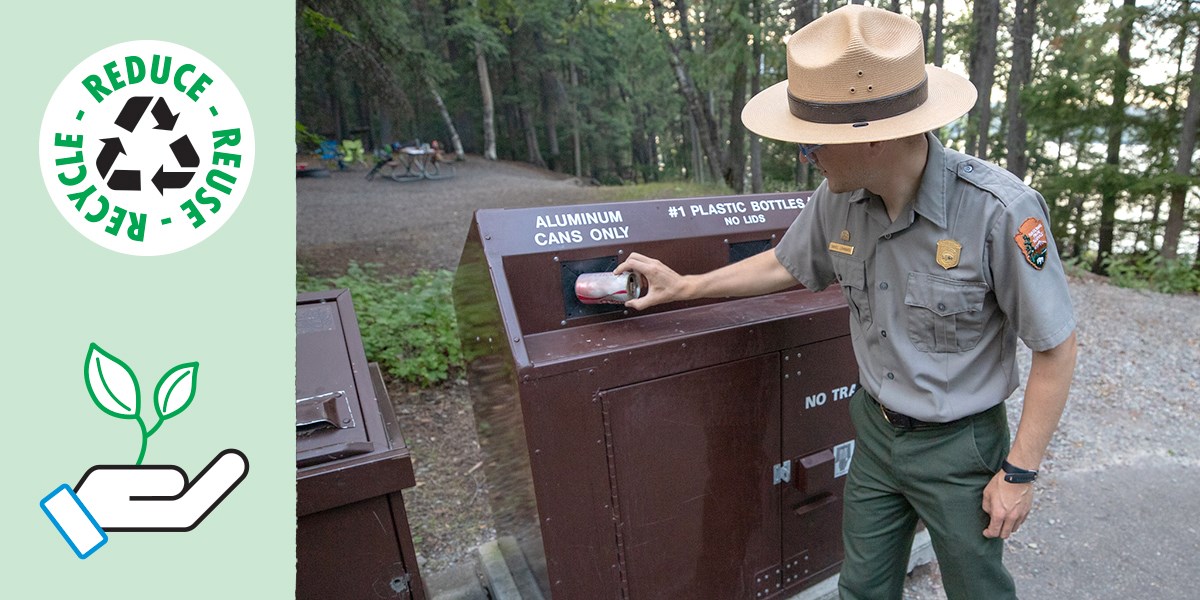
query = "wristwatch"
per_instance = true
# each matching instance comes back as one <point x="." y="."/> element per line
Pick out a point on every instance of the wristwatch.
<point x="1014" y="474"/>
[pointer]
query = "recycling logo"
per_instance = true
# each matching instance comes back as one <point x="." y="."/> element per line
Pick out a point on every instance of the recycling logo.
<point x="131" y="180"/>
<point x="146" y="148"/>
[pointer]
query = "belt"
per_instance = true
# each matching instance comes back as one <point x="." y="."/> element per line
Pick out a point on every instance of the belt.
<point x="905" y="422"/>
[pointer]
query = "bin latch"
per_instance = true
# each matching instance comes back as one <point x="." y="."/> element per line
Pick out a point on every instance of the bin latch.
<point x="783" y="472"/>
<point x="324" y="411"/>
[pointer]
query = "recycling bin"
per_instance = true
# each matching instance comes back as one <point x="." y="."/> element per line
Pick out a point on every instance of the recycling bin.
<point x="352" y="533"/>
<point x="693" y="450"/>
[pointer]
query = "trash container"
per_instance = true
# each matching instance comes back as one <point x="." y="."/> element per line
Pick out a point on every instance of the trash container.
<point x="694" y="450"/>
<point x="352" y="533"/>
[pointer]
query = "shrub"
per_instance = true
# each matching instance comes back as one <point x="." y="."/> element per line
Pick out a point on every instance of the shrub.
<point x="1154" y="272"/>
<point x="408" y="324"/>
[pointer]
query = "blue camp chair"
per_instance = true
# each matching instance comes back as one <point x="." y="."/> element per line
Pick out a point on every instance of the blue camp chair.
<point x="329" y="151"/>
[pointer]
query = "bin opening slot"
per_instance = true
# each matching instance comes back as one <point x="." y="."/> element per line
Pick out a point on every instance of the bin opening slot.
<point x="743" y="250"/>
<point x="324" y="411"/>
<point x="571" y="270"/>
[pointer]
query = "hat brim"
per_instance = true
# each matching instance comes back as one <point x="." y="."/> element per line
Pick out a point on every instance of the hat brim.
<point x="950" y="97"/>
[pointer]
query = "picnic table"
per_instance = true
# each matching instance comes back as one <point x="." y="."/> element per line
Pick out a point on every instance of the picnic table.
<point x="412" y="163"/>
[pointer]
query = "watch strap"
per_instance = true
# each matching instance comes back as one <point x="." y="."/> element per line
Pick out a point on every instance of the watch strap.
<point x="1015" y="474"/>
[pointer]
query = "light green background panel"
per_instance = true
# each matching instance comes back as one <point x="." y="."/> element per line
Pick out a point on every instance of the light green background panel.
<point x="227" y="303"/>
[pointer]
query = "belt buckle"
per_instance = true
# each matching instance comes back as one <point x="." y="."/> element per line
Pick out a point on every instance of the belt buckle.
<point x="885" y="415"/>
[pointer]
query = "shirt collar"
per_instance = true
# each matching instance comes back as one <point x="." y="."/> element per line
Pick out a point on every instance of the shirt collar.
<point x="931" y="196"/>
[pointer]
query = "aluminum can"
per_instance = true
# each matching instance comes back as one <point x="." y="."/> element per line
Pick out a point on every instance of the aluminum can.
<point x="607" y="288"/>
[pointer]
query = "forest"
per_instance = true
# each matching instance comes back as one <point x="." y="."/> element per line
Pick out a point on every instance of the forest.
<point x="1095" y="103"/>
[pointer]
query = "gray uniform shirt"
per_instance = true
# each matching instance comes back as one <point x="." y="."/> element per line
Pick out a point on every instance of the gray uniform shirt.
<point x="938" y="297"/>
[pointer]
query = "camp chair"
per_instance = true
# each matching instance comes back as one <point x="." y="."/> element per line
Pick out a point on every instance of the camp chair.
<point x="329" y="151"/>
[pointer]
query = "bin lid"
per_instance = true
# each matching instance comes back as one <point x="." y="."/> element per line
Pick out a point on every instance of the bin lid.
<point x="348" y="443"/>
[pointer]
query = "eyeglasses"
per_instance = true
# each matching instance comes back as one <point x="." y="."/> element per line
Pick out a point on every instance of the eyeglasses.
<point x="806" y="150"/>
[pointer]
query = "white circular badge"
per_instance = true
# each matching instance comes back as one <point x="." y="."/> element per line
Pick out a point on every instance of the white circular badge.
<point x="146" y="148"/>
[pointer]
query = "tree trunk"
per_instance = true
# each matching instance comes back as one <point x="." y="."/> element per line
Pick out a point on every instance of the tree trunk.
<point x="489" y="106"/>
<point x="550" y="86"/>
<point x="1183" y="164"/>
<point x="455" y="141"/>
<point x="576" y="142"/>
<point x="698" y="170"/>
<point x="703" y="118"/>
<point x="925" y="25"/>
<point x="1116" y="128"/>
<point x="986" y="20"/>
<point x="805" y="12"/>
<point x="756" y="179"/>
<point x="939" y="35"/>
<point x="735" y="172"/>
<point x="550" y="106"/>
<point x="1024" y="25"/>
<point x="681" y="12"/>
<point x="533" y="150"/>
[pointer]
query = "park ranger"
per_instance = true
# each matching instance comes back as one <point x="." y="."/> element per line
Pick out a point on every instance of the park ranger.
<point x="945" y="261"/>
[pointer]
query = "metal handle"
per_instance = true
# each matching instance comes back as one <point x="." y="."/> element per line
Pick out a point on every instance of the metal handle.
<point x="325" y="411"/>
<point x="814" y="503"/>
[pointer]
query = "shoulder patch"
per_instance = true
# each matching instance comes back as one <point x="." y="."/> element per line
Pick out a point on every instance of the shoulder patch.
<point x="1031" y="239"/>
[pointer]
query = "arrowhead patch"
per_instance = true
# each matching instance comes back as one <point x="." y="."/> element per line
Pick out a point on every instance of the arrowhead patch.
<point x="1031" y="239"/>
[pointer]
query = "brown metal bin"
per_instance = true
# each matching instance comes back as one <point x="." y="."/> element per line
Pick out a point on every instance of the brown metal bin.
<point x="694" y="450"/>
<point x="352" y="533"/>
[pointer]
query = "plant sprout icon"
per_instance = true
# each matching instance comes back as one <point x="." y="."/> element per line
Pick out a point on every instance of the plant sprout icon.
<point x="139" y="497"/>
<point x="114" y="388"/>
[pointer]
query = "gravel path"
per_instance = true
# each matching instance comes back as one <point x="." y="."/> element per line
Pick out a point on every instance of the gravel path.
<point x="1114" y="514"/>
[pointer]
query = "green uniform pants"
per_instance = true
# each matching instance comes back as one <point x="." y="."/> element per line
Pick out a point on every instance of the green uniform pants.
<point x="936" y="475"/>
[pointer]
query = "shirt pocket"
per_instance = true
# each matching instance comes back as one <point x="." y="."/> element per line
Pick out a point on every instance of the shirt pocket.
<point x="852" y="275"/>
<point x="944" y="314"/>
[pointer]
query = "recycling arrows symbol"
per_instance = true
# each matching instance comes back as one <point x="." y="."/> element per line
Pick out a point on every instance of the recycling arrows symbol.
<point x="131" y="180"/>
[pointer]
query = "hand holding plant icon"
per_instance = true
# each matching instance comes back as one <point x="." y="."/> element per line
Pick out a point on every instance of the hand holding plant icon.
<point x="114" y="388"/>
<point x="139" y="497"/>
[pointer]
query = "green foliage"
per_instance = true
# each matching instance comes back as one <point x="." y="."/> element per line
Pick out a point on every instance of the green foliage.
<point x="662" y="190"/>
<point x="306" y="141"/>
<point x="1153" y="272"/>
<point x="597" y="75"/>
<point x="408" y="325"/>
<point x="322" y="25"/>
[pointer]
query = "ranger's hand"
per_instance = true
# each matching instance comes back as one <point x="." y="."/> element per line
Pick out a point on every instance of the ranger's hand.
<point x="1008" y="504"/>
<point x="665" y="285"/>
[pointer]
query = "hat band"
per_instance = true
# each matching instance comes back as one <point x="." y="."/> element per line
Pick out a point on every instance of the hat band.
<point x="858" y="112"/>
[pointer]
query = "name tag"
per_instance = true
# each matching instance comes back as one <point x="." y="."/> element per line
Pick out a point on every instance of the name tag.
<point x="841" y="248"/>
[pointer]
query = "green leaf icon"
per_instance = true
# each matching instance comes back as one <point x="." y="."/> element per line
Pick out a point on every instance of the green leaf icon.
<point x="175" y="391"/>
<point x="111" y="384"/>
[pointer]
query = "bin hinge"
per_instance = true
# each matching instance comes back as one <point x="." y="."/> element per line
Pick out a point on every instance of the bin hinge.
<point x="783" y="472"/>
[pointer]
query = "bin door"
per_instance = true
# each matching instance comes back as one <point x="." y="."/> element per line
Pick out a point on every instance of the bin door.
<point x="818" y="440"/>
<point x="691" y="457"/>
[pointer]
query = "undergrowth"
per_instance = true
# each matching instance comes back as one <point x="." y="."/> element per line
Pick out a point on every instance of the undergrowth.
<point x="408" y="324"/>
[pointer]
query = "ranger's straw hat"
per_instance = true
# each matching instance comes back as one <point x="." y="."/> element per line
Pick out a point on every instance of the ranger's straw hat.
<point x="858" y="74"/>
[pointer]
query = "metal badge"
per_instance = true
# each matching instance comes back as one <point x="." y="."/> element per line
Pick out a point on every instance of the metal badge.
<point x="948" y="253"/>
